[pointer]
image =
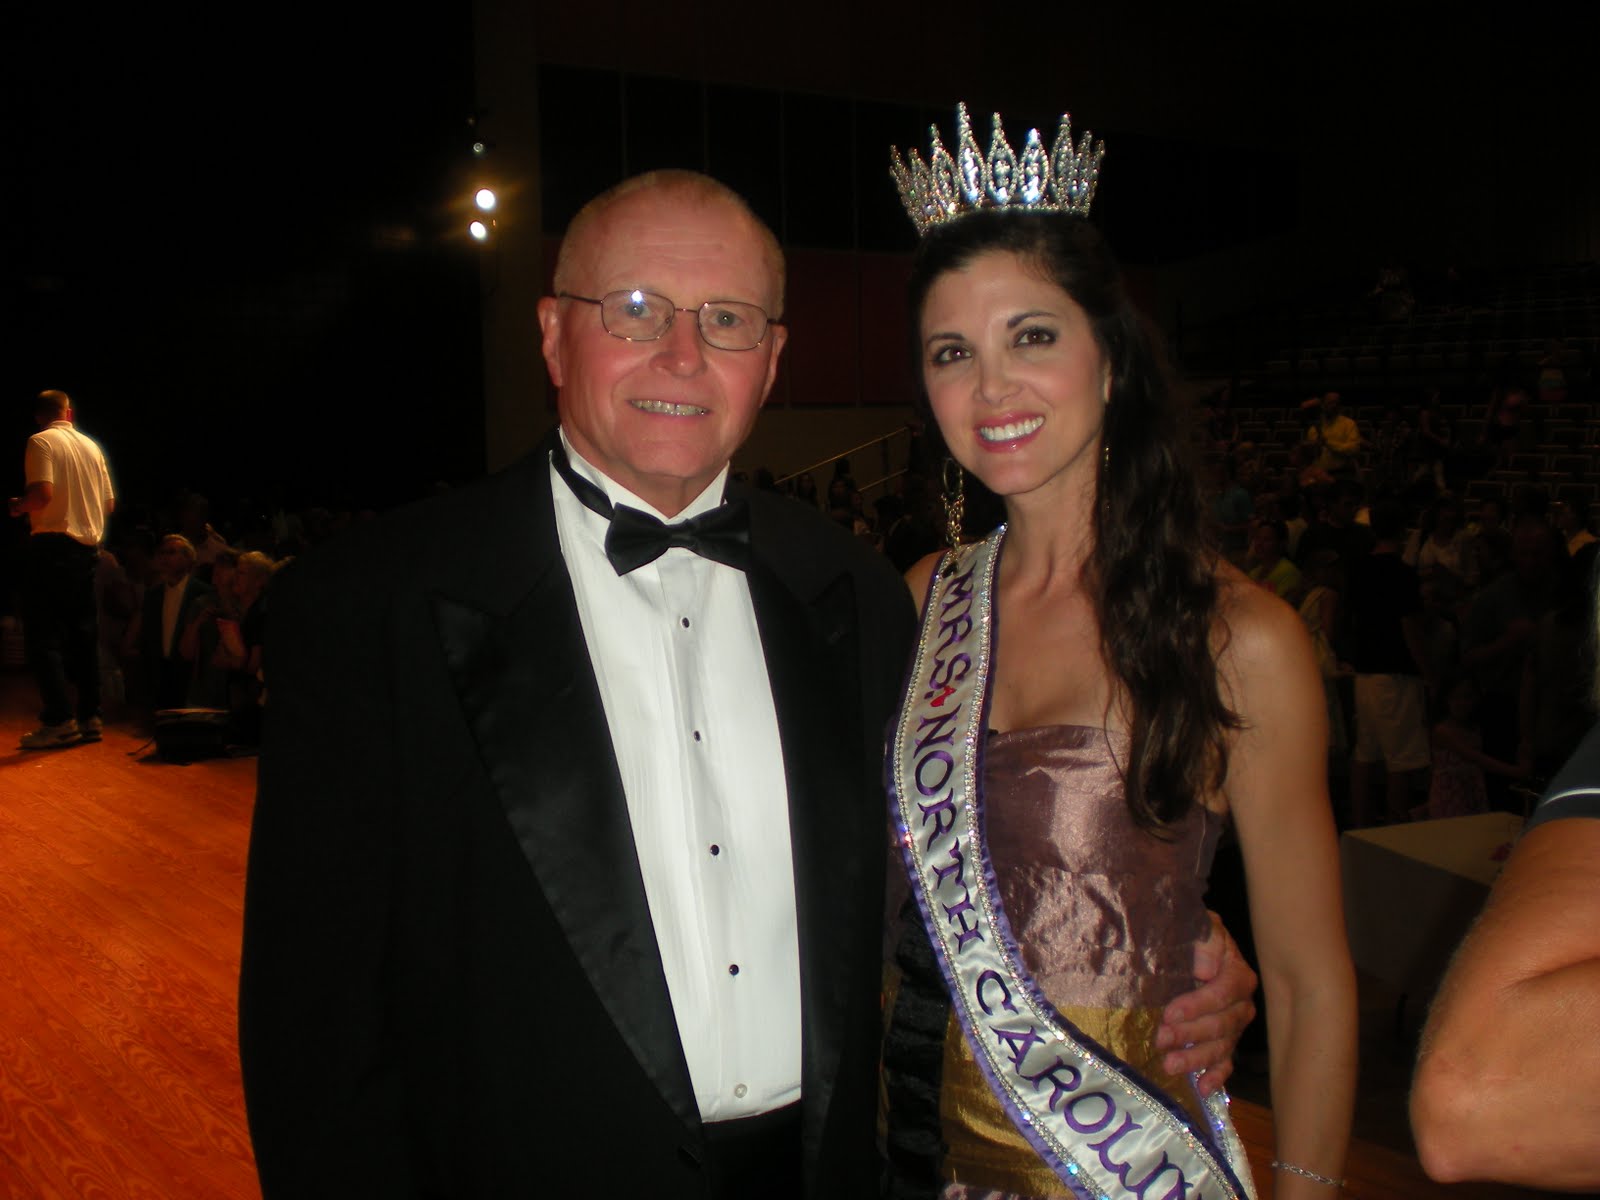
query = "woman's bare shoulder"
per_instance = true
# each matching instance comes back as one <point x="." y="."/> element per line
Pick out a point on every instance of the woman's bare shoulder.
<point x="1255" y="627"/>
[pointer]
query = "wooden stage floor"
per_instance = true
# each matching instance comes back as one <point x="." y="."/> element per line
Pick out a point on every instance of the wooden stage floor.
<point x="121" y="889"/>
<point x="121" y="885"/>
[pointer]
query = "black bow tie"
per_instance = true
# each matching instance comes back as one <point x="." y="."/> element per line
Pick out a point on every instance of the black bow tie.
<point x="636" y="538"/>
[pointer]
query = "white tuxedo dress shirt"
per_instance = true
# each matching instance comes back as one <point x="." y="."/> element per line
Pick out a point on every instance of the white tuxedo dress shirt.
<point x="682" y="677"/>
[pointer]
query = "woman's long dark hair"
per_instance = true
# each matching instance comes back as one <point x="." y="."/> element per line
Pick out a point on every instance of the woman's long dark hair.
<point x="1151" y="570"/>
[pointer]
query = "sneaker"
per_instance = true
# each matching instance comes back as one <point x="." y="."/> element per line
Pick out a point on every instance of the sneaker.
<point x="90" y="728"/>
<point x="49" y="737"/>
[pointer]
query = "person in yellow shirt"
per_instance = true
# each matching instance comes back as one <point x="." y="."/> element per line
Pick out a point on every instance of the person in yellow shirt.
<point x="1337" y="435"/>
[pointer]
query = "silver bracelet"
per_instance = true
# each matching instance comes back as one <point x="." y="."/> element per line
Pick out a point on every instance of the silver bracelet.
<point x="1278" y="1165"/>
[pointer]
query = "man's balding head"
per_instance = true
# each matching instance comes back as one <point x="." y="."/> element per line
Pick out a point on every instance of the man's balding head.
<point x="688" y="186"/>
<point x="52" y="406"/>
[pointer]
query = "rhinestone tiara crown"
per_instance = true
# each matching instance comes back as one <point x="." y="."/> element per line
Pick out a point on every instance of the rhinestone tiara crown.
<point x="946" y="187"/>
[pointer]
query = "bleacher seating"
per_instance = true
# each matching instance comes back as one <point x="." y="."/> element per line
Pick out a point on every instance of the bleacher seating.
<point x="1507" y="331"/>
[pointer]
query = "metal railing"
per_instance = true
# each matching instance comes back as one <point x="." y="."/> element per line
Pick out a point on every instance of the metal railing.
<point x="890" y="472"/>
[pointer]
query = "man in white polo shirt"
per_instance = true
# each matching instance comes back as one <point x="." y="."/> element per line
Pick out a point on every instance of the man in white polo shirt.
<point x="67" y="500"/>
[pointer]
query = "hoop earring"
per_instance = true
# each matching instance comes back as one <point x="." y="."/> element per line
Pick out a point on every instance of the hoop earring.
<point x="955" y="502"/>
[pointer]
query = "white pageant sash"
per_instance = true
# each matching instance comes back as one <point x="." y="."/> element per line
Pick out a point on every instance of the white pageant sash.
<point x="1108" y="1134"/>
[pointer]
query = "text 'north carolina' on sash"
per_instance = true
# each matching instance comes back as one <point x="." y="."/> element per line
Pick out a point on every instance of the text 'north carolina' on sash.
<point x="1105" y="1133"/>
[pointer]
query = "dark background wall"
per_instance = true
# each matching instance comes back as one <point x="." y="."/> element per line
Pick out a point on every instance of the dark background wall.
<point x="225" y="233"/>
<point x="236" y="237"/>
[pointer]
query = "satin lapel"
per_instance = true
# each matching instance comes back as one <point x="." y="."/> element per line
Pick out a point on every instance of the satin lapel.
<point x="528" y="690"/>
<point x="811" y="653"/>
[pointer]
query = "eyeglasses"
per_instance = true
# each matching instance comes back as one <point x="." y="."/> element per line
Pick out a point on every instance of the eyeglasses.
<point x="637" y="316"/>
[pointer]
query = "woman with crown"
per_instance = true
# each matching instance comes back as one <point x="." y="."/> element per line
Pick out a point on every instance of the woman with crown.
<point x="1095" y="694"/>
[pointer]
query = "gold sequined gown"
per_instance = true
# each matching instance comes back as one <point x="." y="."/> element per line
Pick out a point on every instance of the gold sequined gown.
<point x="1106" y="915"/>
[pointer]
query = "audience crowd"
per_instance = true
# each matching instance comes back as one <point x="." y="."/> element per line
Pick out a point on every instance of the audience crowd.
<point x="1442" y="559"/>
<point x="183" y="606"/>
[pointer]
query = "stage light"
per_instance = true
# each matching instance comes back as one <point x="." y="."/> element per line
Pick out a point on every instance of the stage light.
<point x="479" y="231"/>
<point x="485" y="199"/>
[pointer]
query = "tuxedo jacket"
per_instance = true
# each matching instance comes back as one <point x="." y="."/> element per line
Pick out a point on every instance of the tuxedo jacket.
<point x="195" y="593"/>
<point x="166" y="675"/>
<point x="450" y="984"/>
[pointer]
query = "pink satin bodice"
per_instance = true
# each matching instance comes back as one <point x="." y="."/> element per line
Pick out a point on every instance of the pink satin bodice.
<point x="1106" y="913"/>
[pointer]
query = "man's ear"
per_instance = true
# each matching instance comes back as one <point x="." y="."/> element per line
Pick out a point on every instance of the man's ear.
<point x="549" y="310"/>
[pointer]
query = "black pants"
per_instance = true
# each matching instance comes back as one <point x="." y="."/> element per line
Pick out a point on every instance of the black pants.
<point x="754" y="1158"/>
<point x="62" y="626"/>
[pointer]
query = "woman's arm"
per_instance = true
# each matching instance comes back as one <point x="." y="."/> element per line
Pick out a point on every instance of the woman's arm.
<point x="189" y="641"/>
<point x="1276" y="788"/>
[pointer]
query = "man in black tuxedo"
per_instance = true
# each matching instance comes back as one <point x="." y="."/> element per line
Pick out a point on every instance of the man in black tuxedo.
<point x="568" y="862"/>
